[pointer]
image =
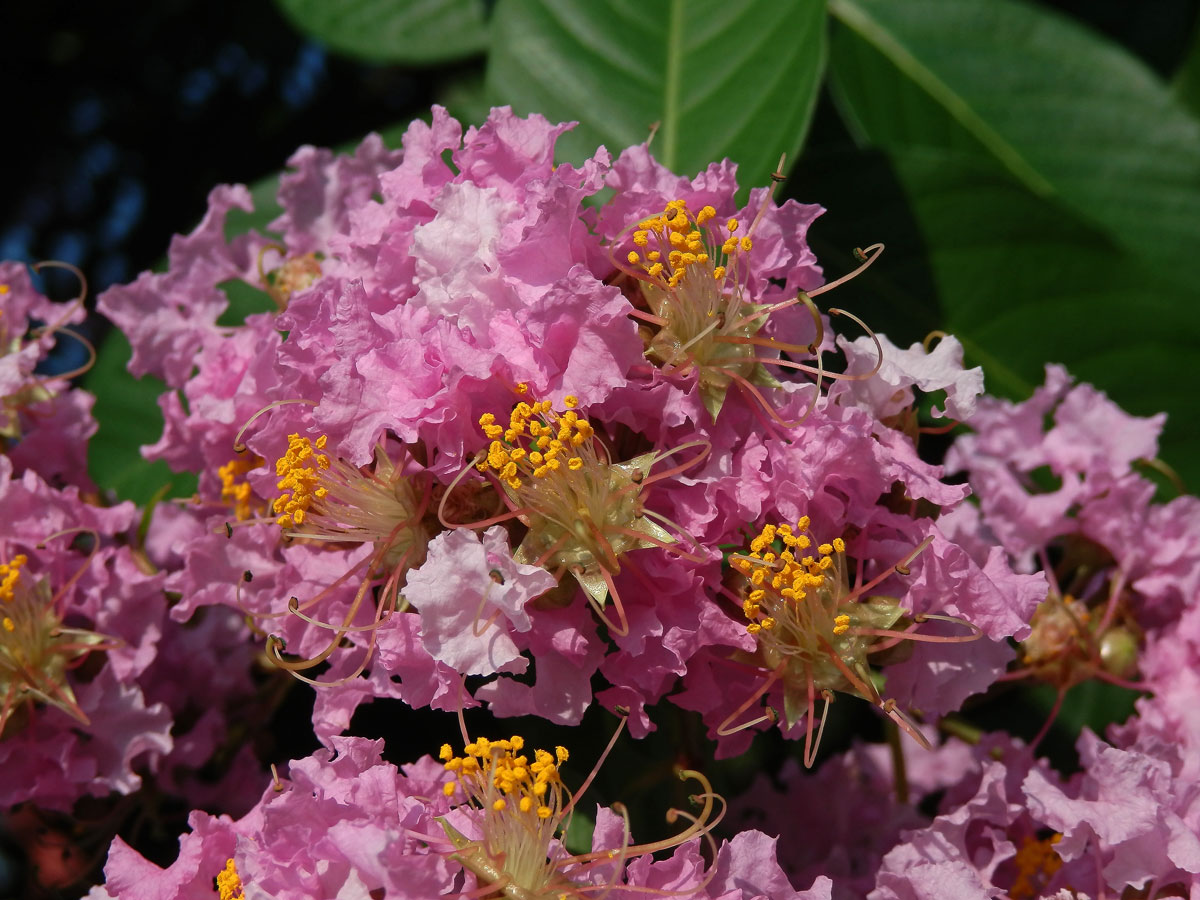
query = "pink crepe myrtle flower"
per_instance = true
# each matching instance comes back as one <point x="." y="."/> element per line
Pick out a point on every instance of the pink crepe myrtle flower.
<point x="397" y="330"/>
<point x="720" y="293"/>
<point x="342" y="824"/>
<point x="1090" y="448"/>
<point x="1128" y="814"/>
<point x="45" y="424"/>
<point x="815" y="628"/>
<point x="986" y="842"/>
<point x="1119" y="567"/>
<point x="69" y="590"/>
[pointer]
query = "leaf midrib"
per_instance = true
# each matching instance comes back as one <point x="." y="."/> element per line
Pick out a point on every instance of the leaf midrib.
<point x="859" y="20"/>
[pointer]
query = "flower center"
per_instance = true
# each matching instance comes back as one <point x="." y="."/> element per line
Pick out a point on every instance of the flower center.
<point x="325" y="498"/>
<point x="1036" y="862"/>
<point x="293" y="274"/>
<point x="800" y="608"/>
<point x="522" y="804"/>
<point x="583" y="511"/>
<point x="36" y="651"/>
<point x="692" y="281"/>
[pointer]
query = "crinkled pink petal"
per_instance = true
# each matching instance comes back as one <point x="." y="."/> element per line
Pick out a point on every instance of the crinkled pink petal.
<point x="890" y="391"/>
<point x="471" y="594"/>
<point x="168" y="316"/>
<point x="324" y="188"/>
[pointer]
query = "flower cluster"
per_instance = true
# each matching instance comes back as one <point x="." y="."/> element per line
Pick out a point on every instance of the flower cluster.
<point x="493" y="451"/>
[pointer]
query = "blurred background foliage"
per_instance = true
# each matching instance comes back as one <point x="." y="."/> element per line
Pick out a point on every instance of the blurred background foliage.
<point x="1032" y="167"/>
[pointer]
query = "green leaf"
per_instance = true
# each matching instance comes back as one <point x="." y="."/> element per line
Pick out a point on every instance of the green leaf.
<point x="128" y="413"/>
<point x="719" y="79"/>
<point x="1186" y="83"/>
<point x="393" y="31"/>
<point x="1021" y="281"/>
<point x="1068" y="113"/>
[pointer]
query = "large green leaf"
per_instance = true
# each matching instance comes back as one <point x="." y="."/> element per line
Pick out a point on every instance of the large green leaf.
<point x="393" y="31"/>
<point x="1068" y="113"/>
<point x="1186" y="83"/>
<point x="719" y="79"/>
<point x="1021" y="282"/>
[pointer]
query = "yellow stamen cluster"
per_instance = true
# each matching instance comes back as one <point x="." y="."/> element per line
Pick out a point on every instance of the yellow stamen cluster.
<point x="9" y="573"/>
<point x="294" y="274"/>
<point x="583" y="510"/>
<point x="537" y="442"/>
<point x="326" y="498"/>
<point x="299" y="473"/>
<point x="235" y="490"/>
<point x="777" y="579"/>
<point x="676" y="243"/>
<point x="36" y="649"/>
<point x="1036" y="863"/>
<point x="502" y="780"/>
<point x="229" y="883"/>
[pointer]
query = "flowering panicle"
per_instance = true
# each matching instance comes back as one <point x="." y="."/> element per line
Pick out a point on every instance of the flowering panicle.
<point x="814" y="632"/>
<point x="36" y="650"/>
<point x="583" y="511"/>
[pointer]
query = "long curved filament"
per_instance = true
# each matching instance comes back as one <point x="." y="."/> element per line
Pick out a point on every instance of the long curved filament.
<point x="238" y="446"/>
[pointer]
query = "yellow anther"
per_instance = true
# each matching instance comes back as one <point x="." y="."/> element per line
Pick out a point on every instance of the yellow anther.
<point x="839" y="545"/>
<point x="705" y="214"/>
<point x="719" y="273"/>
<point x="9" y="573"/>
<point x="732" y="225"/>
<point x="841" y="624"/>
<point x="229" y="883"/>
<point x="633" y="257"/>
<point x="747" y="244"/>
<point x="825" y="549"/>
<point x="570" y="401"/>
